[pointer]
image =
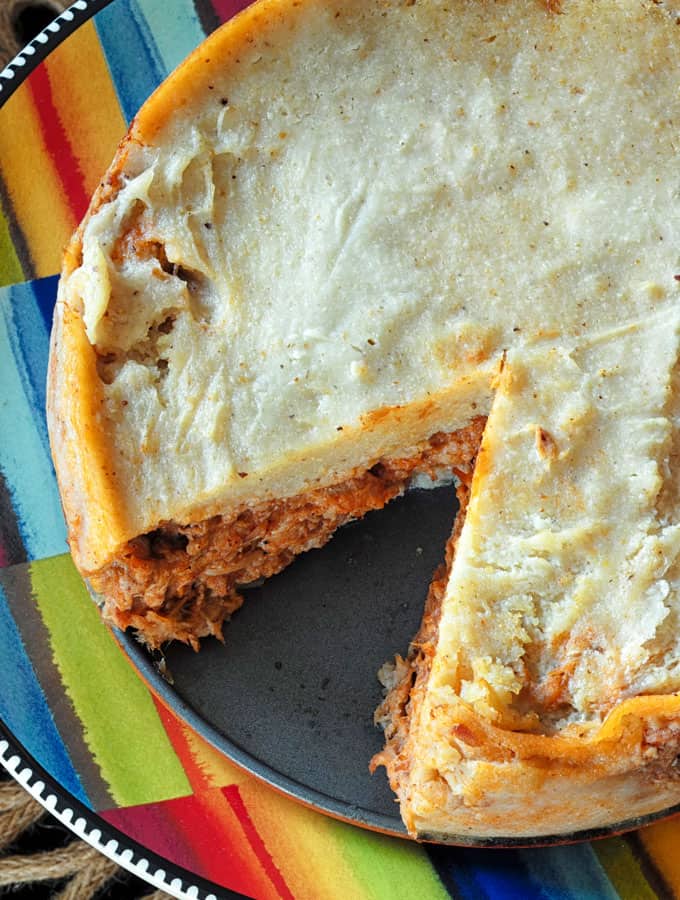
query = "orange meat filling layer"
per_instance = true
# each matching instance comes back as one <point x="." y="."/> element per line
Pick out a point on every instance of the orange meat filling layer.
<point x="182" y="582"/>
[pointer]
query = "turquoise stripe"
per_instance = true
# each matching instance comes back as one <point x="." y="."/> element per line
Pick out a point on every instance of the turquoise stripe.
<point x="175" y="36"/>
<point x="24" y="447"/>
<point x="29" y="343"/>
<point x="24" y="709"/>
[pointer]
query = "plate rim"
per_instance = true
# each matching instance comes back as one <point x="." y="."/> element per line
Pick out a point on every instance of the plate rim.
<point x="314" y="799"/>
<point x="11" y="77"/>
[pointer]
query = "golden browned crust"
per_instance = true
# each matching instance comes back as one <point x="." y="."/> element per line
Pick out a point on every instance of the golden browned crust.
<point x="222" y="49"/>
<point x="79" y="443"/>
<point x="74" y="397"/>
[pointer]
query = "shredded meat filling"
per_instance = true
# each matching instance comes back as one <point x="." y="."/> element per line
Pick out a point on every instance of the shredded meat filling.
<point x="181" y="581"/>
<point x="405" y="680"/>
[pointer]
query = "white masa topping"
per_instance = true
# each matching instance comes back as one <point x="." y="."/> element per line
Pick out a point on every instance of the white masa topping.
<point x="385" y="202"/>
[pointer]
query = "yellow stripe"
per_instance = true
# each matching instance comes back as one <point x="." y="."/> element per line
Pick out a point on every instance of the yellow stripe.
<point x="304" y="846"/>
<point x="34" y="189"/>
<point x="661" y="841"/>
<point x="11" y="271"/>
<point x="623" y="870"/>
<point x="215" y="769"/>
<point x="86" y="100"/>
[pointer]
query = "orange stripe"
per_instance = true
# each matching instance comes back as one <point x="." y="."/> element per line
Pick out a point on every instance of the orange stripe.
<point x="42" y="213"/>
<point x="87" y="106"/>
<point x="87" y="117"/>
<point x="306" y="846"/>
<point x="254" y="839"/>
<point x="661" y="842"/>
<point x="303" y="844"/>
<point x="205" y="767"/>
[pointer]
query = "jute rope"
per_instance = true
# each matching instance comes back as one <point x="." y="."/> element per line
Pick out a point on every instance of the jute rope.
<point x="54" y="864"/>
<point x="87" y="870"/>
<point x="17" y="812"/>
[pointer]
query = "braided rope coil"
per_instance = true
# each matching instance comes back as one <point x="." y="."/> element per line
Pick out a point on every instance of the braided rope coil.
<point x="87" y="869"/>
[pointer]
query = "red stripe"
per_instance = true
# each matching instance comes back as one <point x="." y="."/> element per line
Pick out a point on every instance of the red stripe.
<point x="244" y="870"/>
<point x="233" y="795"/>
<point x="193" y="833"/>
<point x="66" y="163"/>
<point x="225" y="9"/>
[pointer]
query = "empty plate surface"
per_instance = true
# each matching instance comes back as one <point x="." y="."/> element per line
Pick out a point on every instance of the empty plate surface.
<point x="291" y="693"/>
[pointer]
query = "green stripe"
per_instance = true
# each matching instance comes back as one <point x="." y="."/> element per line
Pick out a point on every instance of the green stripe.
<point x="623" y="870"/>
<point x="10" y="267"/>
<point x="389" y="869"/>
<point x="120" y="723"/>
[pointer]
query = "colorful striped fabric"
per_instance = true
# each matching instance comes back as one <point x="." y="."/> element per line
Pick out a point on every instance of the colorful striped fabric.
<point x="67" y="693"/>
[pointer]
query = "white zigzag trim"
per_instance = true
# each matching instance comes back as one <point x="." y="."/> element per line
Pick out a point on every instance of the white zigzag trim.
<point x="13" y="72"/>
<point x="123" y="856"/>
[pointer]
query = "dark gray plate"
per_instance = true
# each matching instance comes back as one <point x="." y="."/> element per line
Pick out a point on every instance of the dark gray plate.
<point x="290" y="695"/>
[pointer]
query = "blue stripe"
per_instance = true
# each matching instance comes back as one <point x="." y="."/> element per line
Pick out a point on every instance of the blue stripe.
<point x="28" y="339"/>
<point x="501" y="875"/>
<point x="25" y="459"/>
<point x="125" y="35"/>
<point x="547" y="873"/>
<point x="45" y="293"/>
<point x="24" y="709"/>
<point x="483" y="874"/>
